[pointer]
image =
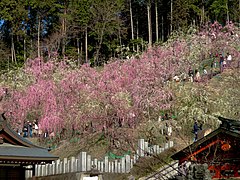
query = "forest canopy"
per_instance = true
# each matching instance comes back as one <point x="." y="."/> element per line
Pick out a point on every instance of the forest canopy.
<point x="96" y="31"/>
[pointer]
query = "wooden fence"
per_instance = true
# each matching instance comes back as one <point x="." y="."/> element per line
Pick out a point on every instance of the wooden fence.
<point x="85" y="162"/>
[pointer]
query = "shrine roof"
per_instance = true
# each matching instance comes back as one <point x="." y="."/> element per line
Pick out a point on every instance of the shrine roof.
<point x="15" y="152"/>
<point x="16" y="149"/>
<point x="228" y="126"/>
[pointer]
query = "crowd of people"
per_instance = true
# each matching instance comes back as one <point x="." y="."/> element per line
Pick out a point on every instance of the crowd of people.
<point x="30" y="129"/>
<point x="217" y="64"/>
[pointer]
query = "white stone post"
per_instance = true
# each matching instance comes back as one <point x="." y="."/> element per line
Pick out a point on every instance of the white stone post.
<point x="119" y="167"/>
<point x="146" y="148"/>
<point x="57" y="166"/>
<point x="96" y="163"/>
<point x="116" y="166"/>
<point x="157" y="149"/>
<point x="134" y="158"/>
<point x="65" y="160"/>
<point x="102" y="166"/>
<point x="43" y="170"/>
<point x="89" y="162"/>
<point x="123" y="167"/>
<point x="141" y="147"/>
<point x="72" y="164"/>
<point x="61" y="167"/>
<point x="131" y="163"/>
<point x="166" y="146"/>
<point x="83" y="161"/>
<point x="128" y="163"/>
<point x="110" y="167"/>
<point x="99" y="165"/>
<point x="106" y="164"/>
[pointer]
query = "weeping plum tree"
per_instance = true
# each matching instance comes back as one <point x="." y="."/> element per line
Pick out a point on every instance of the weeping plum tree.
<point x="121" y="95"/>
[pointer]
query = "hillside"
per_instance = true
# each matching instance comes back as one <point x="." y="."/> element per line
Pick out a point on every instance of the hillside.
<point x="106" y="109"/>
<point x="220" y="96"/>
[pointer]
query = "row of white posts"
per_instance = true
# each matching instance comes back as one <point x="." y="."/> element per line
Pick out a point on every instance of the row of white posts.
<point x="85" y="163"/>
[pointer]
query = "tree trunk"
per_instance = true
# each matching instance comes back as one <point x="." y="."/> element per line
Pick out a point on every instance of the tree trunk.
<point x="24" y="49"/>
<point x="38" y="41"/>
<point x="162" y="30"/>
<point x="13" y="53"/>
<point x="64" y="30"/>
<point x="149" y="24"/>
<point x="86" y="45"/>
<point x="203" y="13"/>
<point x="120" y="42"/>
<point x="228" y="19"/>
<point x="78" y="51"/>
<point x="131" y="16"/>
<point x="12" y="48"/>
<point x="137" y="37"/>
<point x="100" y="43"/>
<point x="156" y="11"/>
<point x="171" y="24"/>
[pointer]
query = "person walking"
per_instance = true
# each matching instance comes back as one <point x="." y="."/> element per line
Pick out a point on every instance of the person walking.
<point x="221" y="59"/>
<point x="195" y="131"/>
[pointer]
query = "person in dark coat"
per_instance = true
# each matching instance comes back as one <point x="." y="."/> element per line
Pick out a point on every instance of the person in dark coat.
<point x="195" y="130"/>
<point x="25" y="129"/>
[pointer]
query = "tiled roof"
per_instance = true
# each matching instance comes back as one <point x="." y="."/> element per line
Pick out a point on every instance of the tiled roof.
<point x="7" y="150"/>
<point x="16" y="149"/>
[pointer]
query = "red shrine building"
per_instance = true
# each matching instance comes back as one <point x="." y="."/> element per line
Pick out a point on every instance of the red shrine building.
<point x="220" y="150"/>
<point x="17" y="154"/>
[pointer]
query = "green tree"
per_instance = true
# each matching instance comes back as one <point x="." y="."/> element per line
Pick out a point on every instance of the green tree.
<point x="45" y="13"/>
<point x="106" y="20"/>
<point x="14" y="15"/>
<point x="180" y="14"/>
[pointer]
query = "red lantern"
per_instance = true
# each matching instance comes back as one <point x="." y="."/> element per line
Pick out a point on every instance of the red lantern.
<point x="225" y="146"/>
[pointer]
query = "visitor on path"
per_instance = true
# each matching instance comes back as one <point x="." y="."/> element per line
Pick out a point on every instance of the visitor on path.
<point x="29" y="125"/>
<point x="190" y="74"/>
<point x="229" y="60"/>
<point x="195" y="130"/>
<point x="35" y="128"/>
<point x="25" y="129"/>
<point x="197" y="76"/>
<point x="221" y="59"/>
<point x="205" y="71"/>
